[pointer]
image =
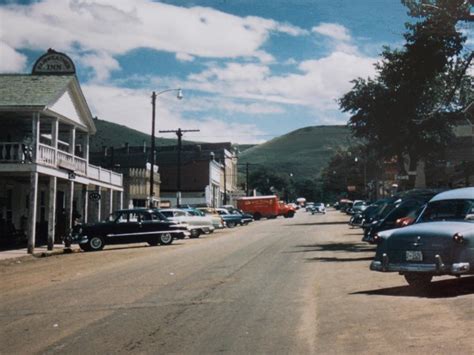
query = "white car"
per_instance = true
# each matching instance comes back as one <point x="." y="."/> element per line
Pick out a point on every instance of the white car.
<point x="197" y="225"/>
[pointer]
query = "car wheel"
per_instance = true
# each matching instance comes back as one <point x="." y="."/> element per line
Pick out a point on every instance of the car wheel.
<point x="290" y="214"/>
<point x="257" y="216"/>
<point x="166" y="238"/>
<point x="230" y="224"/>
<point x="195" y="233"/>
<point x="419" y="281"/>
<point x="95" y="244"/>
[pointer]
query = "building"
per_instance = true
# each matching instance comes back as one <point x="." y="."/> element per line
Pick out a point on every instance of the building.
<point x="208" y="174"/>
<point x="134" y="164"/>
<point x="203" y="176"/>
<point x="46" y="181"/>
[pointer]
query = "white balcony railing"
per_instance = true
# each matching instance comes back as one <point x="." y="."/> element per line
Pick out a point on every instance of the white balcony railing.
<point x="13" y="152"/>
<point x="16" y="152"/>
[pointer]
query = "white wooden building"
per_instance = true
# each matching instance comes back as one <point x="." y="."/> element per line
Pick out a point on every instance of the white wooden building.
<point x="45" y="175"/>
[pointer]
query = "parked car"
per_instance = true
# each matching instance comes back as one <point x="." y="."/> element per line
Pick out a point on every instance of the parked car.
<point x="318" y="207"/>
<point x="440" y="242"/>
<point x="246" y="217"/>
<point x="127" y="226"/>
<point x="197" y="225"/>
<point x="309" y="206"/>
<point x="216" y="219"/>
<point x="230" y="219"/>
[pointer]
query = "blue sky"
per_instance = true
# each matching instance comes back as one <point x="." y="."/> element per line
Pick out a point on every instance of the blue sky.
<point x="250" y="70"/>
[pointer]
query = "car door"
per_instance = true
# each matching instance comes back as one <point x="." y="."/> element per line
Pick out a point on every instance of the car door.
<point x="124" y="225"/>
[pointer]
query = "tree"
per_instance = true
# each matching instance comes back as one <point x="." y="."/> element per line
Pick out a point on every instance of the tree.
<point x="405" y="110"/>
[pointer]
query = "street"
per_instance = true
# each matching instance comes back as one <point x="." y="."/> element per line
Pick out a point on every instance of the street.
<point x="284" y="286"/>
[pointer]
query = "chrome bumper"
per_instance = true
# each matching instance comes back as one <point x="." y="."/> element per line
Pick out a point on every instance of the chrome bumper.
<point x="437" y="268"/>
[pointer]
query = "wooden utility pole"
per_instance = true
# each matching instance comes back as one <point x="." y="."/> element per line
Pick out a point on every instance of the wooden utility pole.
<point x="179" y="132"/>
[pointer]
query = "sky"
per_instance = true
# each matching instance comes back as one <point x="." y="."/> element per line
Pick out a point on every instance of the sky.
<point x="250" y="70"/>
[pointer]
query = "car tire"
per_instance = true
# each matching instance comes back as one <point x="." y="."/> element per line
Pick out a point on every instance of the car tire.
<point x="290" y="214"/>
<point x="257" y="216"/>
<point x="95" y="244"/>
<point x="165" y="238"/>
<point x="417" y="280"/>
<point x="230" y="224"/>
<point x="195" y="233"/>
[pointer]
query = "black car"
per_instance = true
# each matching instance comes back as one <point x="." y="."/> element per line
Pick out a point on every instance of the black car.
<point x="128" y="226"/>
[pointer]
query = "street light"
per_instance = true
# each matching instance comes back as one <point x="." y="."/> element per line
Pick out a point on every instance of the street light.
<point x="179" y="96"/>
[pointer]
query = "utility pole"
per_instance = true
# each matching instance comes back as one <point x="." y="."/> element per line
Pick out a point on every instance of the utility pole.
<point x="246" y="179"/>
<point x="179" y="133"/>
<point x="152" y="153"/>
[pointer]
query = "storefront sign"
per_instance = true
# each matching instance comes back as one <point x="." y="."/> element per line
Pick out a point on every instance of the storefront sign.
<point x="54" y="63"/>
<point x="94" y="196"/>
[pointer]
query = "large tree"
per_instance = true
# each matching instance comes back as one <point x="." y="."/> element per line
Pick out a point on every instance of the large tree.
<point x="405" y="110"/>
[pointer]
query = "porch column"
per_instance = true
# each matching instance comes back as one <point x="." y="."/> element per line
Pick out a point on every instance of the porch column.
<point x="72" y="141"/>
<point x="85" y="203"/>
<point x="111" y="201"/>
<point x="32" y="212"/>
<point x="54" y="138"/>
<point x="35" y="131"/>
<point x="99" y="204"/>
<point x="53" y="181"/>
<point x="70" y="205"/>
<point x="121" y="199"/>
<point x="86" y="148"/>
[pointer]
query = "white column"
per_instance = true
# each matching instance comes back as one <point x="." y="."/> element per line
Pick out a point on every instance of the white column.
<point x="121" y="199"/>
<point x="35" y="131"/>
<point x="52" y="211"/>
<point x="85" y="203"/>
<point x="72" y="141"/>
<point x="99" y="205"/>
<point x="70" y="205"/>
<point x="54" y="137"/>
<point x="111" y="201"/>
<point x="86" y="148"/>
<point x="32" y="212"/>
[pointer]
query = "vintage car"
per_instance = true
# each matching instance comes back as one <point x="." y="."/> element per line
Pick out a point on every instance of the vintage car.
<point x="136" y="225"/>
<point x="210" y="212"/>
<point x="197" y="225"/>
<point x="318" y="207"/>
<point x="230" y="219"/>
<point x="440" y="242"/>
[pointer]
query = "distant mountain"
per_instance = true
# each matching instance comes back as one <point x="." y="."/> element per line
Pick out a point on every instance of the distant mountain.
<point x="303" y="152"/>
<point x="114" y="135"/>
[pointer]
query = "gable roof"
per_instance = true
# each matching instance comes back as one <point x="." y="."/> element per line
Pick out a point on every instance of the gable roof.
<point x="42" y="92"/>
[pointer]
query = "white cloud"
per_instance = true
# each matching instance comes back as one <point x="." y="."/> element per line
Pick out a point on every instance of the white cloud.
<point x="102" y="63"/>
<point x="319" y="84"/>
<point x="132" y="108"/>
<point x="77" y="26"/>
<point x="184" y="57"/>
<point x="11" y="61"/>
<point x="333" y="30"/>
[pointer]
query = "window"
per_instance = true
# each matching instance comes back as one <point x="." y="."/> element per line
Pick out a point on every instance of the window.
<point x="447" y="210"/>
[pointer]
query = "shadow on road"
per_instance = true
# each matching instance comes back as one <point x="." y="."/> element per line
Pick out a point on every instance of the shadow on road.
<point x="316" y="224"/>
<point x="369" y="258"/>
<point x="439" y="289"/>
<point x="350" y="247"/>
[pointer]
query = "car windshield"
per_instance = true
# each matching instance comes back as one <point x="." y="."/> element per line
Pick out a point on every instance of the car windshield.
<point x="448" y="210"/>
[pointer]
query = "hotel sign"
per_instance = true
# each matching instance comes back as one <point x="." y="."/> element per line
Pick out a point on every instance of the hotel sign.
<point x="53" y="62"/>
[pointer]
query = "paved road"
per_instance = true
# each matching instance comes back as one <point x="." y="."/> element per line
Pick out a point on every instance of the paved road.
<point x="282" y="286"/>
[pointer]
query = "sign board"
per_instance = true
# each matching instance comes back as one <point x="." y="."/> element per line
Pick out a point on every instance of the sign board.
<point x="94" y="196"/>
<point x="53" y="62"/>
<point x="402" y="177"/>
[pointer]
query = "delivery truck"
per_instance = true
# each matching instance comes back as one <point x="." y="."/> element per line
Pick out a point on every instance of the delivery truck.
<point x="259" y="206"/>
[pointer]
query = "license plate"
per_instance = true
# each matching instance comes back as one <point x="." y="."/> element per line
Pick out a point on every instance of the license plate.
<point x="414" y="255"/>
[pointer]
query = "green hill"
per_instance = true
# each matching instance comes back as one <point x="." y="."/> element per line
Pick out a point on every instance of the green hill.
<point x="114" y="135"/>
<point x="303" y="152"/>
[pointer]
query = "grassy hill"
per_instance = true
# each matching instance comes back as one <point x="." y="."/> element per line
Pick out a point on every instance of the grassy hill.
<point x="303" y="152"/>
<point x="114" y="135"/>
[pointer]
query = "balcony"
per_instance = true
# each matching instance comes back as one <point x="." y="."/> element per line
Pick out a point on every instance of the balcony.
<point x="19" y="153"/>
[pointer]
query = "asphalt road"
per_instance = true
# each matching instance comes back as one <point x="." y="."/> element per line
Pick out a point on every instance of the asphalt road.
<point x="285" y="286"/>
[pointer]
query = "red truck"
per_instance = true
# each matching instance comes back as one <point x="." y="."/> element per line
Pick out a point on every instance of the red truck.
<point x="259" y="206"/>
<point x="286" y="210"/>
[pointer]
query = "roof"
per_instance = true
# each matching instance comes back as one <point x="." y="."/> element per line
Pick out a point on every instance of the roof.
<point x="32" y="90"/>
<point x="256" y="197"/>
<point x="456" y="194"/>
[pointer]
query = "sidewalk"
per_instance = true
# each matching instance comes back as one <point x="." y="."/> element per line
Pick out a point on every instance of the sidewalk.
<point x="39" y="251"/>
